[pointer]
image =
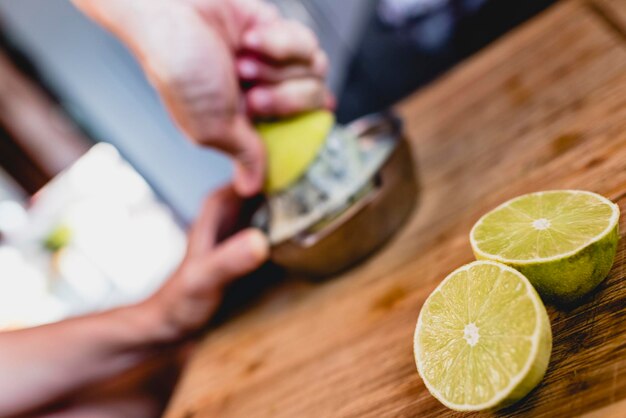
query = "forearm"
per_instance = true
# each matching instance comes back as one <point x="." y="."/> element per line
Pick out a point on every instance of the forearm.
<point x="109" y="12"/>
<point x="42" y="364"/>
<point x="121" y="17"/>
<point x="151" y="29"/>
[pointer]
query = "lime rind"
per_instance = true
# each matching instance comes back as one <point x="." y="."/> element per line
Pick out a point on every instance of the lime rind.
<point x="567" y="276"/>
<point x="532" y="370"/>
<point x="568" y="280"/>
<point x="292" y="144"/>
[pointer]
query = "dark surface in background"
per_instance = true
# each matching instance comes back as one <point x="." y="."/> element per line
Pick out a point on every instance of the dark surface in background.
<point x="18" y="164"/>
<point x="386" y="67"/>
<point x="23" y="62"/>
<point x="247" y="291"/>
<point x="13" y="159"/>
<point x="21" y="165"/>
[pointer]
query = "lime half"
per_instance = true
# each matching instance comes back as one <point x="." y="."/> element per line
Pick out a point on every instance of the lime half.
<point x="292" y="144"/>
<point x="483" y="338"/>
<point x="563" y="241"/>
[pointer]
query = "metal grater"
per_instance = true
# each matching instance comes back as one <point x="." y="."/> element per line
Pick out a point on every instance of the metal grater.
<point x="358" y="165"/>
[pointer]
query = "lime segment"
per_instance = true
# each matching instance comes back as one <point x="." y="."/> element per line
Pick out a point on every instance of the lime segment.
<point x="483" y="338"/>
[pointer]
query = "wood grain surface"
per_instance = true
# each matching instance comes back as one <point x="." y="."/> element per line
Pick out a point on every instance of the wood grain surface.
<point x="613" y="12"/>
<point x="543" y="108"/>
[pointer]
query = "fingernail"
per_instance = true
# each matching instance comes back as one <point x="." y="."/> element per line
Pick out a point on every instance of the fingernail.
<point x="252" y="40"/>
<point x="248" y="69"/>
<point x="261" y="99"/>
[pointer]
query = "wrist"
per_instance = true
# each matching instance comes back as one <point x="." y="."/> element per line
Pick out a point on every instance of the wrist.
<point x="147" y="322"/>
<point x="141" y="326"/>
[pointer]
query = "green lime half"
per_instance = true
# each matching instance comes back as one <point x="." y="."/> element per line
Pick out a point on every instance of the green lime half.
<point x="564" y="241"/>
<point x="292" y="145"/>
<point x="483" y="338"/>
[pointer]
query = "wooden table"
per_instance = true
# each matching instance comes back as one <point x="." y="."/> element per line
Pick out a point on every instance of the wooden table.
<point x="543" y="108"/>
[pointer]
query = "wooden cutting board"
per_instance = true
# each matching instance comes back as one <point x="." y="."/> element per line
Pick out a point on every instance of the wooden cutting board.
<point x="543" y="108"/>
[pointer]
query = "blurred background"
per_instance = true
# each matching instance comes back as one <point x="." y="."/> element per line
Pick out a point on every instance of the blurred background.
<point x="97" y="185"/>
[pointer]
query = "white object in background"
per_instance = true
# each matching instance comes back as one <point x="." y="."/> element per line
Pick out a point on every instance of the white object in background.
<point x="13" y="217"/>
<point x="99" y="236"/>
<point x="82" y="282"/>
<point x="9" y="190"/>
<point x="24" y="300"/>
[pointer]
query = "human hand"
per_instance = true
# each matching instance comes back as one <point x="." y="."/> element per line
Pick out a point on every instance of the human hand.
<point x="212" y="261"/>
<point x="218" y="63"/>
<point x="80" y="353"/>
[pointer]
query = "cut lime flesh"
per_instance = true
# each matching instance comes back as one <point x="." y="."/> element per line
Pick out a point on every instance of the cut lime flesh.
<point x="483" y="338"/>
<point x="563" y="241"/>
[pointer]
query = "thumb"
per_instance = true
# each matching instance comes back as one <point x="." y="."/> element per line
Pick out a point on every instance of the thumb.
<point x="239" y="255"/>
<point x="250" y="160"/>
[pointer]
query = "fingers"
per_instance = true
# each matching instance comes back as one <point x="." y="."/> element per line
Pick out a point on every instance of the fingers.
<point x="236" y="257"/>
<point x="282" y="41"/>
<point x="250" y="160"/>
<point x="236" y="137"/>
<point x="288" y="68"/>
<point x="196" y="77"/>
<point x="288" y="98"/>
<point x="253" y="69"/>
<point x="217" y="215"/>
<point x="192" y="295"/>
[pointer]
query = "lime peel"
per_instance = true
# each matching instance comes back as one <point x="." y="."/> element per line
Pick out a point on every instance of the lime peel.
<point x="564" y="276"/>
<point x="292" y="144"/>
